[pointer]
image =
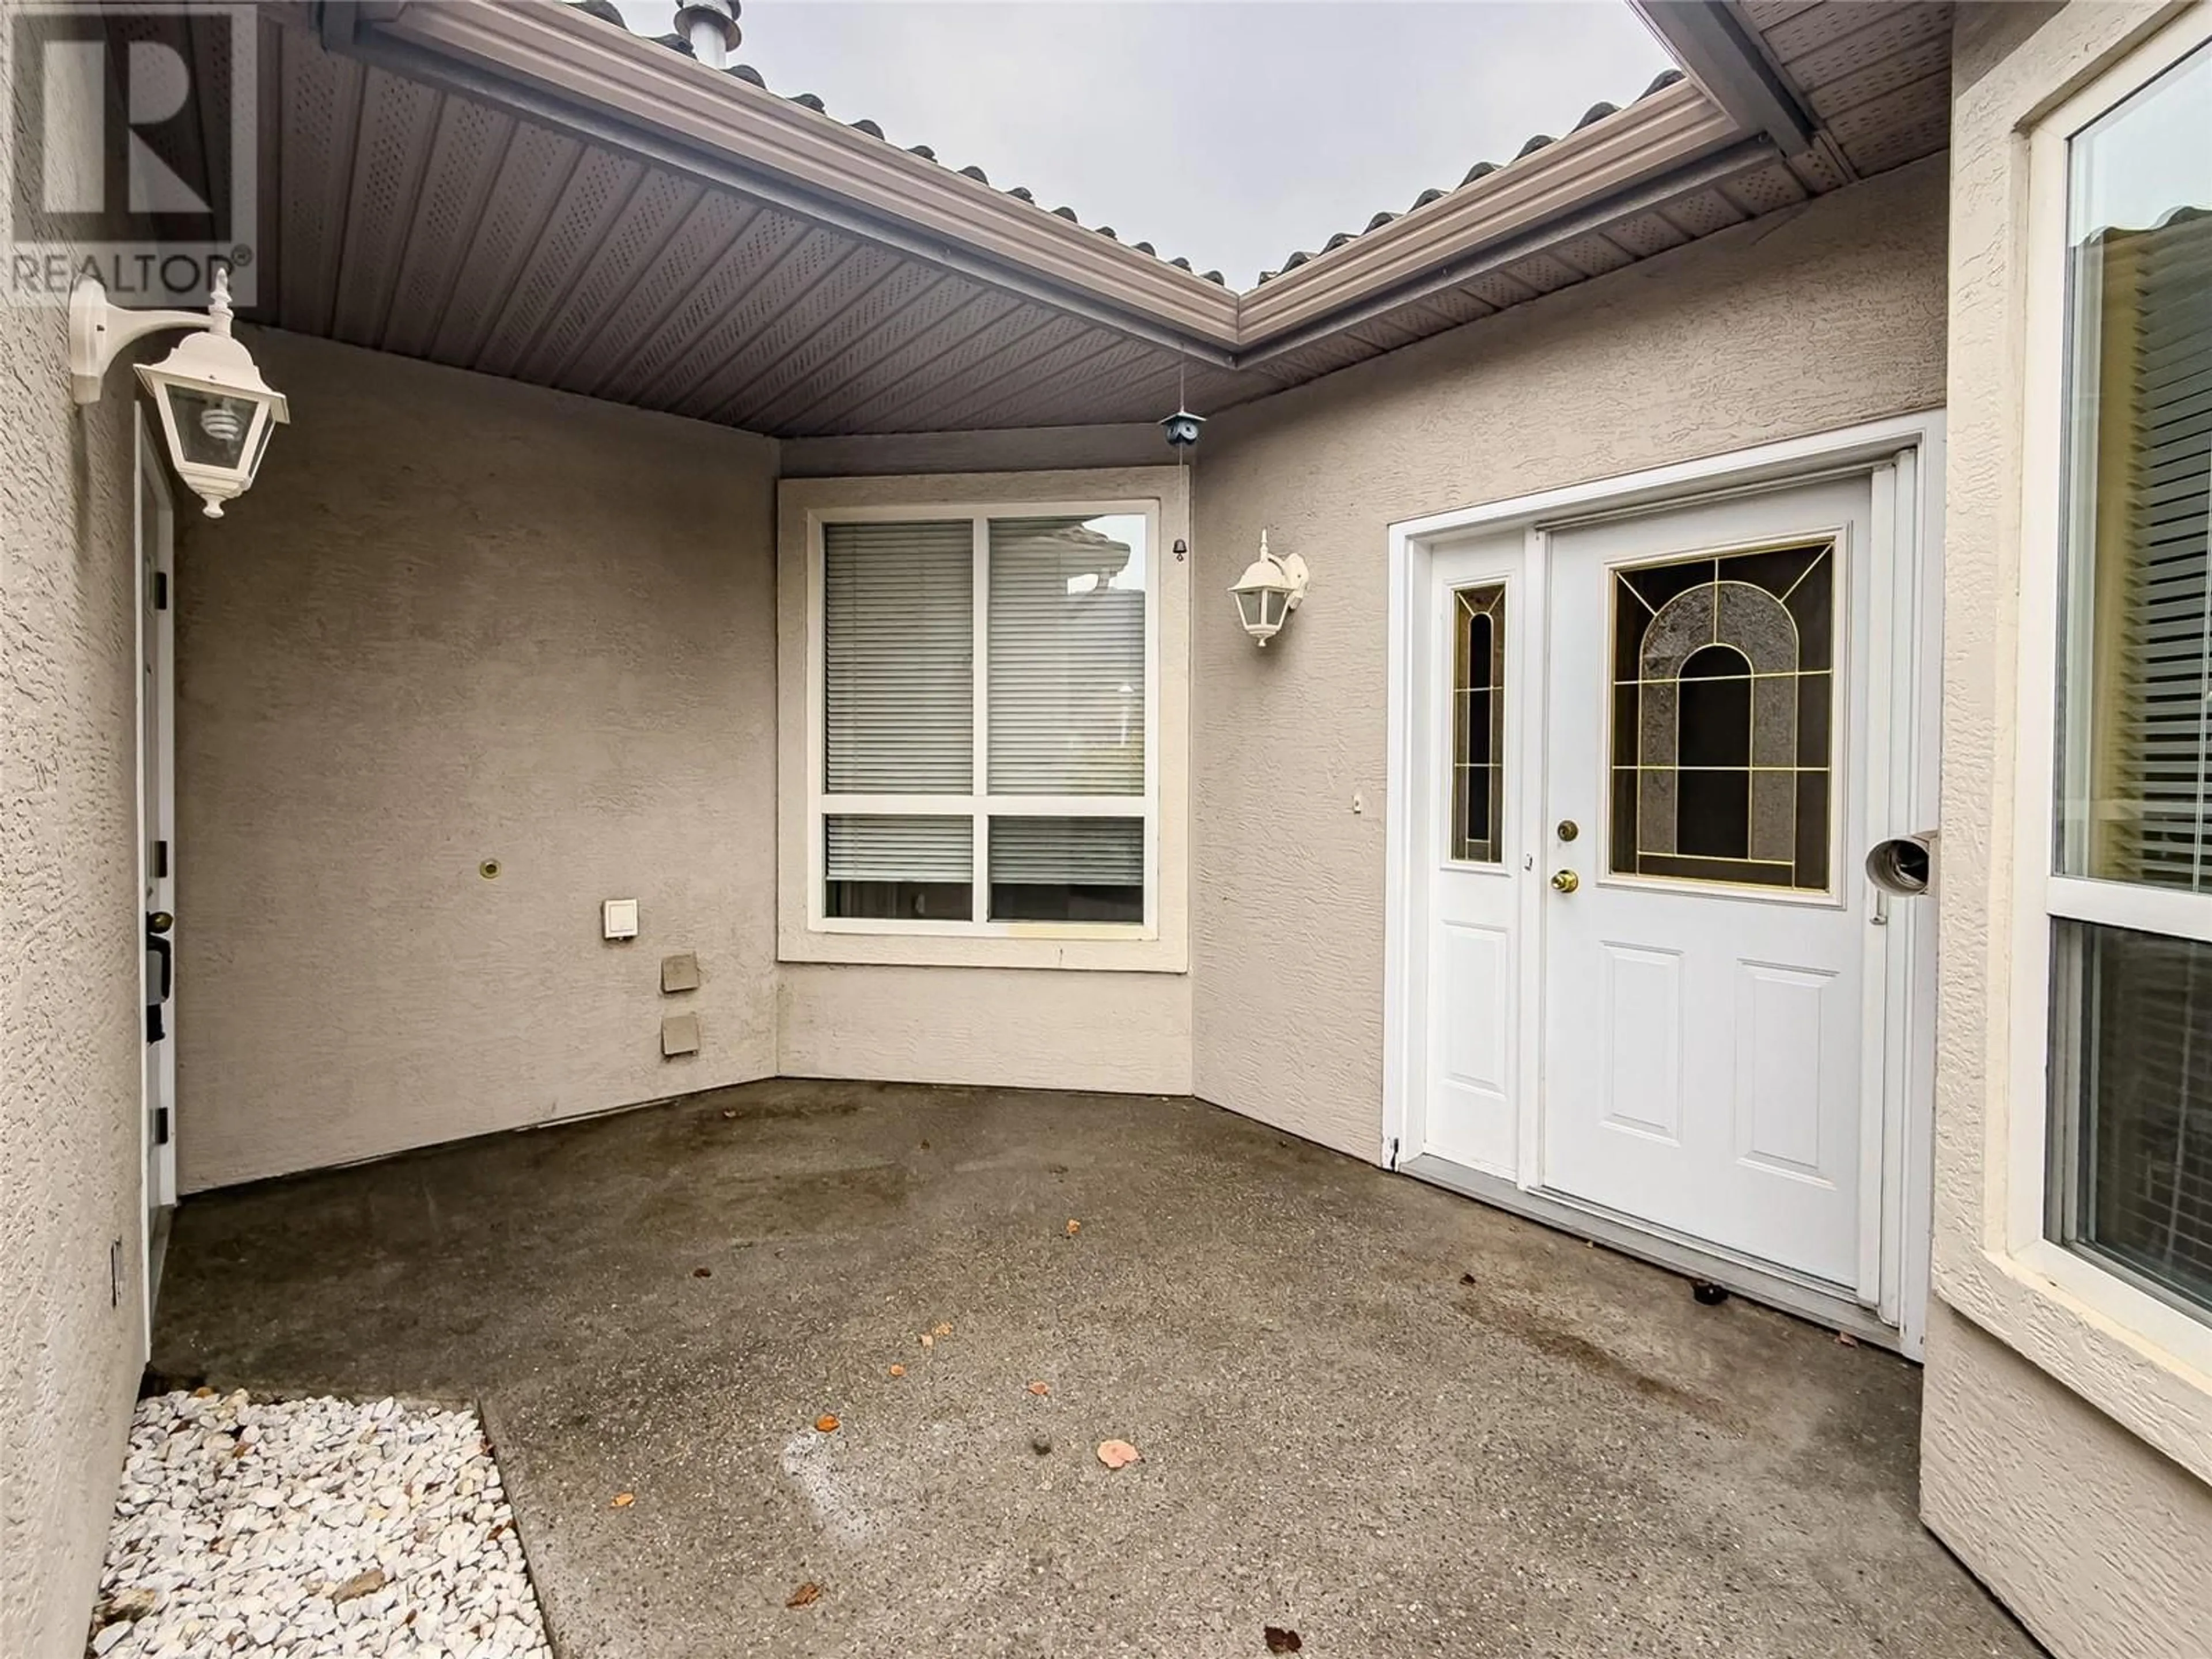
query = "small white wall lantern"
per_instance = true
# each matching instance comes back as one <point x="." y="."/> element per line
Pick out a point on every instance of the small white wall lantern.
<point x="1271" y="588"/>
<point x="217" y="410"/>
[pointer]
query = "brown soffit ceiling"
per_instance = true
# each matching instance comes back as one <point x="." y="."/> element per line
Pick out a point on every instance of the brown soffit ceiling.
<point x="524" y="189"/>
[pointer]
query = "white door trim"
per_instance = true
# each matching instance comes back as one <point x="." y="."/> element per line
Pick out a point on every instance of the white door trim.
<point x="157" y="1165"/>
<point x="1901" y="970"/>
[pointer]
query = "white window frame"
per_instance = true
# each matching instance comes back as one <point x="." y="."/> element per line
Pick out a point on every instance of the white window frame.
<point x="805" y="932"/>
<point x="2161" y="1384"/>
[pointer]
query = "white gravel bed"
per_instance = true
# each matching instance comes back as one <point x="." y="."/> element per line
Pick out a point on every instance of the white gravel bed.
<point x="312" y="1530"/>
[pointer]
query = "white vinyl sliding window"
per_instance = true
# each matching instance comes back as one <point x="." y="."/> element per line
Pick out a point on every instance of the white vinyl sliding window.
<point x="985" y="716"/>
<point x="2123" y="880"/>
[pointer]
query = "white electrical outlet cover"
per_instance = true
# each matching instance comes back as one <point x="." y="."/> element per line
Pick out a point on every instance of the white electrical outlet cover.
<point x="619" y="917"/>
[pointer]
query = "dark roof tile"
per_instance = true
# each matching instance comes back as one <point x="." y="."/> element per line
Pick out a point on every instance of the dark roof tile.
<point x="606" y="11"/>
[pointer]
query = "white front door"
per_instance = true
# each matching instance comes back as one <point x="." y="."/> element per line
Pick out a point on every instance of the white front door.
<point x="155" y="523"/>
<point x="1704" y="911"/>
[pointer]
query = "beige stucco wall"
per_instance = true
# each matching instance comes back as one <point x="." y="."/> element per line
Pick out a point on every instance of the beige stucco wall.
<point x="2097" y="1541"/>
<point x="1792" y="324"/>
<point x="71" y="1045"/>
<point x="459" y="619"/>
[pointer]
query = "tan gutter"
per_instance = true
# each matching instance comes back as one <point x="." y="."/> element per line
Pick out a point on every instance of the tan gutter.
<point x="1672" y="126"/>
<point x="580" y="59"/>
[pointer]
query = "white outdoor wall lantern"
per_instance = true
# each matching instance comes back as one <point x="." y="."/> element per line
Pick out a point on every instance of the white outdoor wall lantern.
<point x="1271" y="588"/>
<point x="217" y="410"/>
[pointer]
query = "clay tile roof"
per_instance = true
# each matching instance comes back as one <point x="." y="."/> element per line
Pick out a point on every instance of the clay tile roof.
<point x="606" y="12"/>
<point x="1480" y="171"/>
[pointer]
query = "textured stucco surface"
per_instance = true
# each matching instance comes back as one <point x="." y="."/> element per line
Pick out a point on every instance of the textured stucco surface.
<point x="999" y="1028"/>
<point x="461" y="619"/>
<point x="70" y="1182"/>
<point x="2097" y="1545"/>
<point x="1791" y="324"/>
<point x="2095" y="1539"/>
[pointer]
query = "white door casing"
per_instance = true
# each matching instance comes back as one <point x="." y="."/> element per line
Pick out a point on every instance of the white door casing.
<point x="154" y="521"/>
<point x="1704" y="978"/>
<point x="1475" y="1104"/>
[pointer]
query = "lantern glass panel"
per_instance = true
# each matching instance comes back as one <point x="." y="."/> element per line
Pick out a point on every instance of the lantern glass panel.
<point x="211" y="428"/>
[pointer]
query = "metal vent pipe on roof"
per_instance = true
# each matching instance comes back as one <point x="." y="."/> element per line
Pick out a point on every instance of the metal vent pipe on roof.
<point x="711" y="27"/>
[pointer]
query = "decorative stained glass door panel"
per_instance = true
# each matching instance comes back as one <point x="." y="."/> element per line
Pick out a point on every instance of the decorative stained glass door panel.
<point x="1724" y="697"/>
<point x="1703" y="929"/>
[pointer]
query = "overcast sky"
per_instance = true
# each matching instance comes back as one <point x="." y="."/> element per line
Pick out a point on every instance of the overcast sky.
<point x="1228" y="132"/>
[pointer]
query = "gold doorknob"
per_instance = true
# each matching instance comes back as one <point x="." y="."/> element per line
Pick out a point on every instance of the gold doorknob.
<point x="1565" y="882"/>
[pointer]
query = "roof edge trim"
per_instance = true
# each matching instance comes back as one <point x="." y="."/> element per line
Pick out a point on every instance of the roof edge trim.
<point x="746" y="136"/>
<point x="1651" y="137"/>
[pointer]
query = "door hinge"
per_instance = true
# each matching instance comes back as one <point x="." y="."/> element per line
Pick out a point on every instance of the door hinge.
<point x="160" y="1125"/>
<point x="160" y="589"/>
<point x="160" y="860"/>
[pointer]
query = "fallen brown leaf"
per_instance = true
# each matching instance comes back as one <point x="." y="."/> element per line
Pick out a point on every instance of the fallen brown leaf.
<point x="1280" y="1640"/>
<point x="359" y="1585"/>
<point x="942" y="1330"/>
<point x="729" y="1112"/>
<point x="805" y="1595"/>
<point x="1040" y="1388"/>
<point x="927" y="1341"/>
<point x="1073" y="1227"/>
<point x="623" y="1500"/>
<point x="1118" y="1454"/>
<point x="702" y="1272"/>
<point x="1845" y="1338"/>
<point x="899" y="1371"/>
<point x="826" y="1424"/>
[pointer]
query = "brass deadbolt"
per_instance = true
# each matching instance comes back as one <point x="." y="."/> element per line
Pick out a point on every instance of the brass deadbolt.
<point x="488" y="869"/>
<point x="1565" y="882"/>
<point x="1568" y="829"/>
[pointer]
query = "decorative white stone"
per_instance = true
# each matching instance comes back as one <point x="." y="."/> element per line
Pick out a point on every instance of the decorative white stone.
<point x="237" y="1520"/>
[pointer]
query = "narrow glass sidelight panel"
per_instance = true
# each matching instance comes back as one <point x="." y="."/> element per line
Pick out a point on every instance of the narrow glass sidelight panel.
<point x="2131" y="1103"/>
<point x="2135" y="779"/>
<point x="1722" y="709"/>
<point x="1477" y="813"/>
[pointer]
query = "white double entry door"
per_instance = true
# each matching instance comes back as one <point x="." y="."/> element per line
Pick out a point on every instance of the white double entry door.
<point x="1644" y="955"/>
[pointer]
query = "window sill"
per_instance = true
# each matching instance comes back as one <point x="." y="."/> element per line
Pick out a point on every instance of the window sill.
<point x="2140" y="1360"/>
<point x="1081" y="947"/>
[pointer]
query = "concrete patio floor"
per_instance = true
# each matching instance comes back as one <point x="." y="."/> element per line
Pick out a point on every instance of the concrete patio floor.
<point x="1371" y="1411"/>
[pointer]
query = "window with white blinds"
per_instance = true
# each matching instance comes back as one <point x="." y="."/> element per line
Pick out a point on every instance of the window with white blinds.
<point x="986" y="698"/>
<point x="2131" y="1096"/>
